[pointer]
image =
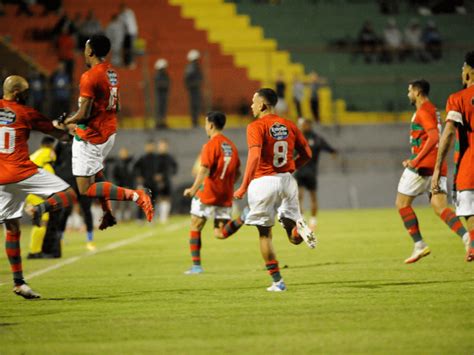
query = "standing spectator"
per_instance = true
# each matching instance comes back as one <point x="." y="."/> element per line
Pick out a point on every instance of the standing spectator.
<point x="60" y="90"/>
<point x="167" y="167"/>
<point x="37" y="91"/>
<point x="193" y="80"/>
<point x="146" y="169"/>
<point x="66" y="45"/>
<point x="298" y="94"/>
<point x="315" y="82"/>
<point x="392" y="40"/>
<point x="280" y="88"/>
<point x="122" y="175"/>
<point x="116" y="33"/>
<point x="89" y="27"/>
<point x="367" y="42"/>
<point x="127" y="16"/>
<point x="414" y="44"/>
<point x="432" y="40"/>
<point x="162" y="88"/>
<point x="24" y="8"/>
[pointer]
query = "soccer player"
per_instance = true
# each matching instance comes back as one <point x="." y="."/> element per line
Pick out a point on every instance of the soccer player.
<point x="460" y="124"/>
<point x="96" y="121"/>
<point x="272" y="141"/>
<point x="415" y="180"/>
<point x="19" y="176"/>
<point x="213" y="188"/>
<point x="307" y="175"/>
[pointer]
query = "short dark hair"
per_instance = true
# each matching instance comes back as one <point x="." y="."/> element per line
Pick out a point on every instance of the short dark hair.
<point x="100" y="45"/>
<point x="469" y="59"/>
<point x="269" y="95"/>
<point x="217" y="118"/>
<point x="422" y="85"/>
<point x="48" y="140"/>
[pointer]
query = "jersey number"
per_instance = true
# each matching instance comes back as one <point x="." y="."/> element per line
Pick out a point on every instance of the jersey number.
<point x="280" y="152"/>
<point x="226" y="165"/>
<point x="7" y="140"/>
<point x="113" y="99"/>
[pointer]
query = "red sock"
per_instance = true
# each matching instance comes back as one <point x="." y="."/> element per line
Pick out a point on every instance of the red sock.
<point x="12" y="247"/>
<point x="195" y="246"/>
<point x="110" y="191"/>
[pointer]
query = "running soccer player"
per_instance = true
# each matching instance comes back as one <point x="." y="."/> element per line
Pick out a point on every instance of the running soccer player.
<point x="415" y="180"/>
<point x="19" y="176"/>
<point x="96" y="121"/>
<point x="307" y="175"/>
<point x="213" y="188"/>
<point x="272" y="141"/>
<point x="460" y="124"/>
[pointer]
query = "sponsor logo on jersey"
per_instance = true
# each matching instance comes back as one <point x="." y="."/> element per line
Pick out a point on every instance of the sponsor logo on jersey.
<point x="279" y="131"/>
<point x="113" y="77"/>
<point x="7" y="116"/>
<point x="226" y="149"/>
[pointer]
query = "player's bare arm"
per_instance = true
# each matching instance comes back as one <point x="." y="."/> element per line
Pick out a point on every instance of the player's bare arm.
<point x="431" y="142"/>
<point x="198" y="181"/>
<point x="83" y="113"/>
<point x="444" y="145"/>
<point x="253" y="160"/>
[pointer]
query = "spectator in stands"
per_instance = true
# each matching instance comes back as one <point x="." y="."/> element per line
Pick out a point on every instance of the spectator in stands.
<point x="167" y="167"/>
<point x="146" y="170"/>
<point x="281" y="107"/>
<point x="393" y="42"/>
<point x="50" y="6"/>
<point x="89" y="27"/>
<point x="74" y="28"/>
<point x="24" y="8"/>
<point x="127" y="16"/>
<point x="123" y="175"/>
<point x="315" y="83"/>
<point x="298" y="94"/>
<point x="37" y="95"/>
<point x="63" y="22"/>
<point x="65" y="45"/>
<point x="116" y="33"/>
<point x="413" y="42"/>
<point x="193" y="79"/>
<point x="368" y="42"/>
<point x="431" y="38"/>
<point x="162" y="89"/>
<point x="60" y="91"/>
<point x="2" y="8"/>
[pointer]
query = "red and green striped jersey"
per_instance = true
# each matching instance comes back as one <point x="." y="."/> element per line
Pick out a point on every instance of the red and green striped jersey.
<point x="460" y="109"/>
<point x="425" y="119"/>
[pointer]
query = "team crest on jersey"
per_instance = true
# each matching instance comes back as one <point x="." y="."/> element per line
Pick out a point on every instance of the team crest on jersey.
<point x="226" y="149"/>
<point x="279" y="131"/>
<point x="7" y="116"/>
<point x="113" y="77"/>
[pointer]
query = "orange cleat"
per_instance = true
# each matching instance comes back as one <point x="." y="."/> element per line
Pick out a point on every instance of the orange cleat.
<point x="144" y="202"/>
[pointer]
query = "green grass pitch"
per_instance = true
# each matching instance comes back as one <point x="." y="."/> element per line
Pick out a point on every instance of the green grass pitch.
<point x="352" y="294"/>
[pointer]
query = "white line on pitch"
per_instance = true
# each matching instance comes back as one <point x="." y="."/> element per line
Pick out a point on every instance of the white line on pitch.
<point x="108" y="247"/>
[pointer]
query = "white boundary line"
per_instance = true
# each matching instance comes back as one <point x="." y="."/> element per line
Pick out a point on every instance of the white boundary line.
<point x="111" y="246"/>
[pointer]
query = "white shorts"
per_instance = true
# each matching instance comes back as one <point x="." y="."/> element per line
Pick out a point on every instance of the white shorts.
<point x="412" y="184"/>
<point x="272" y="195"/>
<point x="87" y="158"/>
<point x="201" y="210"/>
<point x="465" y="203"/>
<point x="12" y="196"/>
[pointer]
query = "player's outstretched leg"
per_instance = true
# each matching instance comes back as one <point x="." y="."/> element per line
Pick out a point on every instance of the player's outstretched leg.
<point x="410" y="221"/>
<point x="55" y="202"/>
<point x="110" y="191"/>
<point x="298" y="231"/>
<point x="233" y="226"/>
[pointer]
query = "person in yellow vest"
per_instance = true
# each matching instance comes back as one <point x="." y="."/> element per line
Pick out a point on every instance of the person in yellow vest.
<point x="44" y="157"/>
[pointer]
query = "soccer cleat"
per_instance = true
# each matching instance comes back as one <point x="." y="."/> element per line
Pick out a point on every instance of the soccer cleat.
<point x="277" y="286"/>
<point x="144" y="202"/>
<point x="469" y="245"/>
<point x="306" y="233"/>
<point x="421" y="250"/>
<point x="194" y="270"/>
<point x="91" y="246"/>
<point x="35" y="255"/>
<point x="25" y="291"/>
<point x="108" y="220"/>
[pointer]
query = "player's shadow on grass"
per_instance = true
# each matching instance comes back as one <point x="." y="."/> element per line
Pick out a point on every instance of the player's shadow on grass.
<point x="8" y="324"/>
